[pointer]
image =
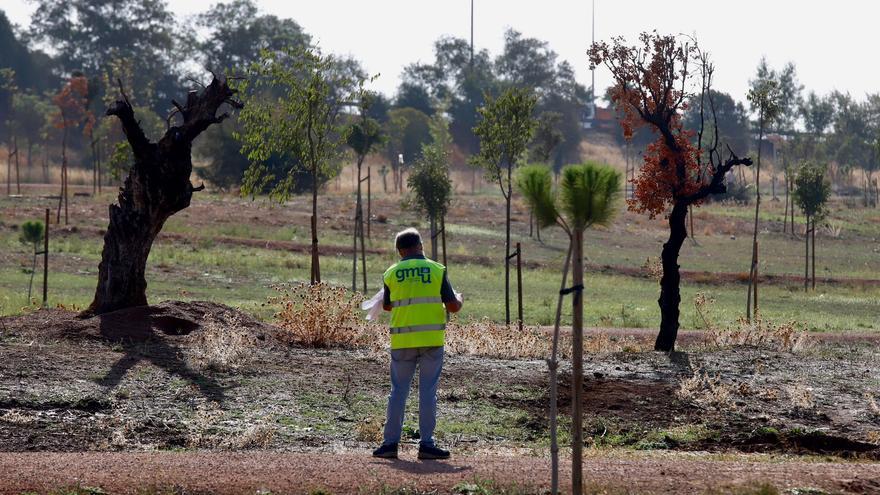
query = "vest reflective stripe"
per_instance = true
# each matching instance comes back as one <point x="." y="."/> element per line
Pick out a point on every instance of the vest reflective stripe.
<point x="416" y="300"/>
<point x="418" y="318"/>
<point x="418" y="328"/>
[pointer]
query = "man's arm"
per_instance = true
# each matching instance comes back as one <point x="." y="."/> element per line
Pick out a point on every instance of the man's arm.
<point x="386" y="301"/>
<point x="447" y="294"/>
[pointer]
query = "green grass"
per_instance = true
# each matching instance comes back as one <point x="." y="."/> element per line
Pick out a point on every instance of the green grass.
<point x="241" y="277"/>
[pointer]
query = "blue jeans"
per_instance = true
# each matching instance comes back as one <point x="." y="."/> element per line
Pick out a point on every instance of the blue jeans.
<point x="403" y="367"/>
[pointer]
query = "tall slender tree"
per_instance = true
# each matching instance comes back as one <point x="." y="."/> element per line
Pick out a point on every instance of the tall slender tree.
<point x="292" y="104"/>
<point x="72" y="112"/>
<point x="652" y="84"/>
<point x="765" y="96"/>
<point x="587" y="196"/>
<point x="363" y="135"/>
<point x="505" y="131"/>
<point x="811" y="194"/>
<point x="430" y="187"/>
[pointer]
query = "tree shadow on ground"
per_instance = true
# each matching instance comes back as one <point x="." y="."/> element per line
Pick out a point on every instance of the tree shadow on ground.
<point x="143" y="334"/>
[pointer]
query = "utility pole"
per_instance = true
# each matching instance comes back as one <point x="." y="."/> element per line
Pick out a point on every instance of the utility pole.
<point x="593" y="70"/>
<point x="472" y="33"/>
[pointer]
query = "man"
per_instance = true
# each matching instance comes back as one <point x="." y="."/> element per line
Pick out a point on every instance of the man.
<point x="416" y="291"/>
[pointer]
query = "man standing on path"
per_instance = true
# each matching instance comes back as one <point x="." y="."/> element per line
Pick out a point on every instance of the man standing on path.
<point x="416" y="291"/>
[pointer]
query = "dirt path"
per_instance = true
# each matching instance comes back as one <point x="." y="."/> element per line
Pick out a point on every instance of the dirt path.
<point x="224" y="473"/>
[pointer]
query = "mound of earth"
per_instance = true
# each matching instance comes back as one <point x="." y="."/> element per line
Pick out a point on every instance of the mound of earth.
<point x="163" y="321"/>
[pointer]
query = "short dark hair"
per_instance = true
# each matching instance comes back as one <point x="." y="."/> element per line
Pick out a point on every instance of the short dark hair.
<point x="407" y="239"/>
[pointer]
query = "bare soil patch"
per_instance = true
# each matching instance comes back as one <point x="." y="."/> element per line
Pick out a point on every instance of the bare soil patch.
<point x="127" y="382"/>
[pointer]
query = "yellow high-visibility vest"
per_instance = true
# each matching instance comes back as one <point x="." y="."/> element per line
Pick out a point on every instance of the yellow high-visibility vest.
<point x="418" y="317"/>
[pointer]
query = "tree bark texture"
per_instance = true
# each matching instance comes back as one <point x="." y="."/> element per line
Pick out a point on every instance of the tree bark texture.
<point x="670" y="292"/>
<point x="157" y="186"/>
<point x="577" y="364"/>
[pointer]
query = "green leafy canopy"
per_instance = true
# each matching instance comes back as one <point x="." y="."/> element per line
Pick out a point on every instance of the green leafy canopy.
<point x="587" y="195"/>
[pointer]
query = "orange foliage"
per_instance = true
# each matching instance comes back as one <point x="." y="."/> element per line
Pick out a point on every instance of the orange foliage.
<point x="72" y="103"/>
<point x="650" y="91"/>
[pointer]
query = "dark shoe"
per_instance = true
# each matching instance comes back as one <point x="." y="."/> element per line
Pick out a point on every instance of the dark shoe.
<point x="386" y="451"/>
<point x="426" y="452"/>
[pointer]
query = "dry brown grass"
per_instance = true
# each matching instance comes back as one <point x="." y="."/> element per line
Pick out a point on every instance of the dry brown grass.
<point x="784" y="337"/>
<point x="873" y="408"/>
<point x="800" y="396"/>
<point x="330" y="317"/>
<point x="256" y="436"/>
<point x="370" y="429"/>
<point x="221" y="345"/>
<point x="706" y="391"/>
<point x="489" y="339"/>
<point x="653" y="268"/>
<point x="318" y="315"/>
<point x="788" y="336"/>
<point x="27" y="175"/>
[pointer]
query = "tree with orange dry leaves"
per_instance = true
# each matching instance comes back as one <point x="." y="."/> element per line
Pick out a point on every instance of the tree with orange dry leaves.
<point x="73" y="112"/>
<point x="653" y="81"/>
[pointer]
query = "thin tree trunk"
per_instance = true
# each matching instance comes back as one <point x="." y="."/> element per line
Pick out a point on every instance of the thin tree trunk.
<point x="508" y="197"/>
<point x="806" y="253"/>
<point x="785" y="215"/>
<point x="94" y="167"/>
<point x="577" y="365"/>
<point x="33" y="271"/>
<point x="363" y="251"/>
<point x="9" y="170"/>
<point x="753" y="267"/>
<point x="553" y="365"/>
<point x="30" y="155"/>
<point x="316" y="261"/>
<point x="433" y="228"/>
<point x="670" y="290"/>
<point x="45" y="161"/>
<point x="813" y="235"/>
<point x="63" y="167"/>
<point x="443" y="240"/>
<point x="17" y="168"/>
<point x="357" y="222"/>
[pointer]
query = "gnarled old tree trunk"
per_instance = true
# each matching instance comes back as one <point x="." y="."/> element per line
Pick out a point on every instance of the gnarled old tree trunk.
<point x="157" y="187"/>
<point x="670" y="290"/>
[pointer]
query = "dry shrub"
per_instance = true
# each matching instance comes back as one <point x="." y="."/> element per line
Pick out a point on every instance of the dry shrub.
<point x="318" y="315"/>
<point x="702" y="304"/>
<point x="706" y="391"/>
<point x="16" y="418"/>
<point x="873" y="437"/>
<point x="783" y="337"/>
<point x="489" y="339"/>
<point x="370" y="430"/>
<point x="257" y="436"/>
<point x="221" y="345"/>
<point x="602" y="343"/>
<point x="800" y="396"/>
<point x="873" y="408"/>
<point x="653" y="268"/>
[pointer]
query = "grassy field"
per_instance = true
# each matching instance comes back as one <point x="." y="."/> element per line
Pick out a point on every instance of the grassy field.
<point x="201" y="259"/>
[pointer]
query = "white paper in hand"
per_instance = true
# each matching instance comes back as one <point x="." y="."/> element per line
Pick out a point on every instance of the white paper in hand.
<point x="373" y="306"/>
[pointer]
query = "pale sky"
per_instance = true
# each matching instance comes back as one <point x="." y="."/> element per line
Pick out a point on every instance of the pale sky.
<point x="833" y="44"/>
